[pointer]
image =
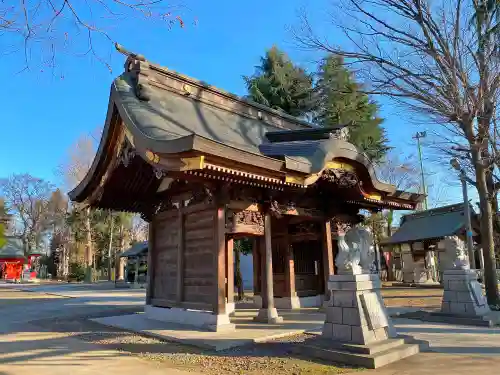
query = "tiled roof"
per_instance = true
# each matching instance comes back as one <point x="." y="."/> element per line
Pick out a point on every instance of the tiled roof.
<point x="136" y="250"/>
<point x="13" y="248"/>
<point x="435" y="223"/>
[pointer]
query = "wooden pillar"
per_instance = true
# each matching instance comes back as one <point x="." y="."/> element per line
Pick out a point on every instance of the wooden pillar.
<point x="230" y="270"/>
<point x="151" y="266"/>
<point x="290" y="291"/>
<point x="290" y="273"/>
<point x="180" y="258"/>
<point x="389" y="261"/>
<point x="220" y="261"/>
<point x="268" y="313"/>
<point x="328" y="261"/>
<point x="262" y="269"/>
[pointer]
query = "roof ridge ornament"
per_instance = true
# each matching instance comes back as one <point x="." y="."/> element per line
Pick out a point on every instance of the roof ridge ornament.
<point x="129" y="54"/>
<point x="137" y="67"/>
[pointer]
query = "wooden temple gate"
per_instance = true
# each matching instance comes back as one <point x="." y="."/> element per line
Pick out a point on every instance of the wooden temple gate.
<point x="191" y="264"/>
<point x="205" y="167"/>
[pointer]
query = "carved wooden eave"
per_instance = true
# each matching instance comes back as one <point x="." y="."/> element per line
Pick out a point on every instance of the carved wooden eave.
<point x="283" y="209"/>
<point x="245" y="222"/>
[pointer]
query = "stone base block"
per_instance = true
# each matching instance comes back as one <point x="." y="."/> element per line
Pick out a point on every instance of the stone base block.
<point x="463" y="294"/>
<point x="204" y="320"/>
<point x="269" y="316"/>
<point x="370" y="356"/>
<point x="292" y="302"/>
<point x="357" y="314"/>
<point x="230" y="307"/>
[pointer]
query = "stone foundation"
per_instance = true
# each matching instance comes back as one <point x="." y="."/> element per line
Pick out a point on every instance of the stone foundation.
<point x="292" y="302"/>
<point x="205" y="320"/>
<point x="463" y="294"/>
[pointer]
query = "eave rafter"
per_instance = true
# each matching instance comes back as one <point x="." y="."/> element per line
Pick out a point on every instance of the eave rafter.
<point x="336" y="174"/>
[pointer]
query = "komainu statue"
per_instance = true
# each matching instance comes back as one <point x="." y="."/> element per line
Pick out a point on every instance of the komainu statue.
<point x="348" y="258"/>
<point x="455" y="255"/>
<point x="356" y="253"/>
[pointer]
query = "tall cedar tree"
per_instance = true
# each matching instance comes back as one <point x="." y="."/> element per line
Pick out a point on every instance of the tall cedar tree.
<point x="281" y="85"/>
<point x="334" y="99"/>
<point x="339" y="101"/>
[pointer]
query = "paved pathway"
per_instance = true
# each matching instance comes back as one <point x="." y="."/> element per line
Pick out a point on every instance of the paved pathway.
<point x="26" y="347"/>
<point x="455" y="350"/>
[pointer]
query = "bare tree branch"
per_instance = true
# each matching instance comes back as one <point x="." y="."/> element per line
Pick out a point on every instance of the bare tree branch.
<point x="440" y="59"/>
<point x="46" y="28"/>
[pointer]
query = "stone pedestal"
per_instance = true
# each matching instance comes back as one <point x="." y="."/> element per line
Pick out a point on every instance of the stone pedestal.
<point x="358" y="329"/>
<point x="463" y="294"/>
<point x="357" y="313"/>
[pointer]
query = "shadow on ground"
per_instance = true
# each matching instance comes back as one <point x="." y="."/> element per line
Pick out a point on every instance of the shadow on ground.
<point x="45" y="335"/>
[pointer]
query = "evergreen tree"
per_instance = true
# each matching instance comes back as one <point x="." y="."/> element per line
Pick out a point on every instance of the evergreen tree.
<point x="280" y="84"/>
<point x="339" y="101"/>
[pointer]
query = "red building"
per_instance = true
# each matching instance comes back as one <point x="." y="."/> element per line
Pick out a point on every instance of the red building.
<point x="12" y="260"/>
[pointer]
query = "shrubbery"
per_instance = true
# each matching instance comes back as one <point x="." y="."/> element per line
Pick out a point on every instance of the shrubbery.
<point x="76" y="272"/>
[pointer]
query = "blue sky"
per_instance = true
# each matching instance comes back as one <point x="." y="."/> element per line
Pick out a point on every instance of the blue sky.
<point x="45" y="112"/>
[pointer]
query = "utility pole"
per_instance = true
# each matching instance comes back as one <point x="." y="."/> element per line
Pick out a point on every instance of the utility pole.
<point x="417" y="136"/>
<point x="470" y="245"/>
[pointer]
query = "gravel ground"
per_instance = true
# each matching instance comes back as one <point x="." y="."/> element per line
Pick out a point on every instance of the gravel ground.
<point x="424" y="298"/>
<point x="274" y="357"/>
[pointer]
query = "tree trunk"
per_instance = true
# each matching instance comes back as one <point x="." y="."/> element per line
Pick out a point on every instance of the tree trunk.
<point x="88" y="247"/>
<point x="238" y="278"/>
<point x="487" y="240"/>
<point x="110" y="247"/>
<point x="480" y="154"/>
<point x="390" y="216"/>
<point x="26" y="251"/>
<point x="89" y="254"/>
<point x="118" y="258"/>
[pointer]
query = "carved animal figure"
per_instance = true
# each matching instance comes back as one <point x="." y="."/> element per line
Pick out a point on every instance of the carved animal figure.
<point x="347" y="259"/>
<point x="360" y="240"/>
<point x="455" y="256"/>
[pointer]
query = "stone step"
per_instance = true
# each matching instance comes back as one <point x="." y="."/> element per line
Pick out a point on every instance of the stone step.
<point x="422" y="344"/>
<point x="376" y="347"/>
<point x="371" y="361"/>
<point x="439" y="317"/>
